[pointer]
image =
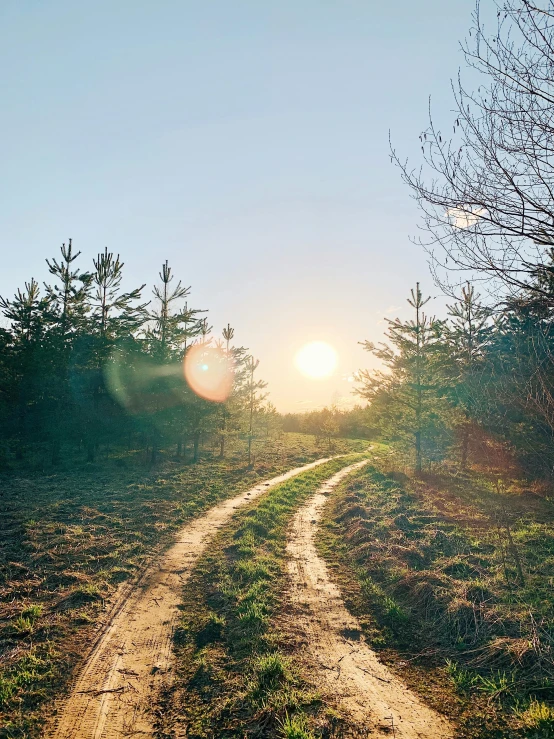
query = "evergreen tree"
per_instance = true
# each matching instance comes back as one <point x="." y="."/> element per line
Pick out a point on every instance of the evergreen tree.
<point x="69" y="295"/>
<point x="464" y="344"/>
<point x="115" y="314"/>
<point x="406" y="396"/>
<point x="251" y="388"/>
<point x="69" y="307"/>
<point x="228" y="333"/>
<point x="29" y="315"/>
<point x="170" y="329"/>
<point x="88" y="362"/>
<point x="175" y="411"/>
<point x="269" y="420"/>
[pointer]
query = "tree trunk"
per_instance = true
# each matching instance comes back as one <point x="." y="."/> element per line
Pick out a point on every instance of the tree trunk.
<point x="465" y="445"/>
<point x="196" y="443"/>
<point x="223" y="428"/>
<point x="418" y="452"/>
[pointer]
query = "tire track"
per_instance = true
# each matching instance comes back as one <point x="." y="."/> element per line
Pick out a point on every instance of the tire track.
<point x="345" y="665"/>
<point x="116" y="688"/>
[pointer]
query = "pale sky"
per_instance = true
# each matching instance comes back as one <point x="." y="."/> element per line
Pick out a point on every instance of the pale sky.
<point x="245" y="142"/>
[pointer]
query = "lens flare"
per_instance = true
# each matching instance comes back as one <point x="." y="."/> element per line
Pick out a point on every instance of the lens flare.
<point x="143" y="386"/>
<point x="148" y="388"/>
<point x="209" y="372"/>
<point x="316" y="360"/>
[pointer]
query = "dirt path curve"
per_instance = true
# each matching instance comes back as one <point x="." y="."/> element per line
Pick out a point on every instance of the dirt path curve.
<point x="346" y="666"/>
<point x="117" y="686"/>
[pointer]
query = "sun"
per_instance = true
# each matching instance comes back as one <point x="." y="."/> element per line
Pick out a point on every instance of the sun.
<point x="316" y="359"/>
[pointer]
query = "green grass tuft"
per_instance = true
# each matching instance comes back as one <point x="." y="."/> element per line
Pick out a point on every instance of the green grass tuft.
<point x="295" y="727"/>
<point x="463" y="680"/>
<point x="539" y="717"/>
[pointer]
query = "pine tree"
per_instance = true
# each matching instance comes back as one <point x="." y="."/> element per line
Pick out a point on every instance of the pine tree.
<point x="171" y="330"/>
<point x="115" y="316"/>
<point x="115" y="313"/>
<point x="69" y="308"/>
<point x="270" y="420"/>
<point x="29" y="316"/>
<point x="406" y="396"/>
<point x="69" y="298"/>
<point x="465" y="339"/>
<point x="78" y="364"/>
<point x="228" y="333"/>
<point x="250" y="393"/>
<point x="8" y="392"/>
<point x="175" y="412"/>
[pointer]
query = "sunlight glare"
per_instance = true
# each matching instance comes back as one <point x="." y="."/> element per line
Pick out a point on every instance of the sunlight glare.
<point x="316" y="360"/>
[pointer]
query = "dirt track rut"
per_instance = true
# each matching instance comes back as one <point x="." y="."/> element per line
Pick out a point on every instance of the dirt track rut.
<point x="345" y="665"/>
<point x="119" y="681"/>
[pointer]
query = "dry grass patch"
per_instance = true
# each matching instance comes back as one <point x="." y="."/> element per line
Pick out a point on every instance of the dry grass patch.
<point x="452" y="577"/>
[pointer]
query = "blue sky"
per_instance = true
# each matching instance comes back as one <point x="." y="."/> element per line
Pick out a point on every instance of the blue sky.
<point x="245" y="142"/>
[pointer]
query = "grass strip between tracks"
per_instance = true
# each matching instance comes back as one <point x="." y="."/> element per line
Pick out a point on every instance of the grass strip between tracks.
<point x="234" y="677"/>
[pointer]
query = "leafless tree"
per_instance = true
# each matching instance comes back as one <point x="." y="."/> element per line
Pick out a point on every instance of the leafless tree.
<point x="487" y="190"/>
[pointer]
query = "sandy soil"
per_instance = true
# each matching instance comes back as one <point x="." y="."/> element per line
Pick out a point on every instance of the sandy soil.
<point x="118" y="684"/>
<point x="344" y="665"/>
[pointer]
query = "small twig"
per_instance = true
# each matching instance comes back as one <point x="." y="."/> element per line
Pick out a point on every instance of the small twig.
<point x="382" y="679"/>
<point x="100" y="692"/>
<point x="332" y="669"/>
<point x="357" y="649"/>
<point x="391" y="719"/>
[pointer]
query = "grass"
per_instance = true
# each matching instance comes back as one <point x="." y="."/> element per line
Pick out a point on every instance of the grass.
<point x="537" y="718"/>
<point x="71" y="536"/>
<point x="432" y="568"/>
<point x="237" y="676"/>
<point x="463" y="680"/>
<point x="295" y="727"/>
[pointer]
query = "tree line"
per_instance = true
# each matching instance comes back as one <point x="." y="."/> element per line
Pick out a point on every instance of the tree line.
<point x="87" y="367"/>
<point x="485" y="188"/>
<point x="448" y="384"/>
<point x="328" y="423"/>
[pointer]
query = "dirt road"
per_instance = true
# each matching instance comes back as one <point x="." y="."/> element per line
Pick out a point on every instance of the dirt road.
<point x="117" y="687"/>
<point x="345" y="665"/>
